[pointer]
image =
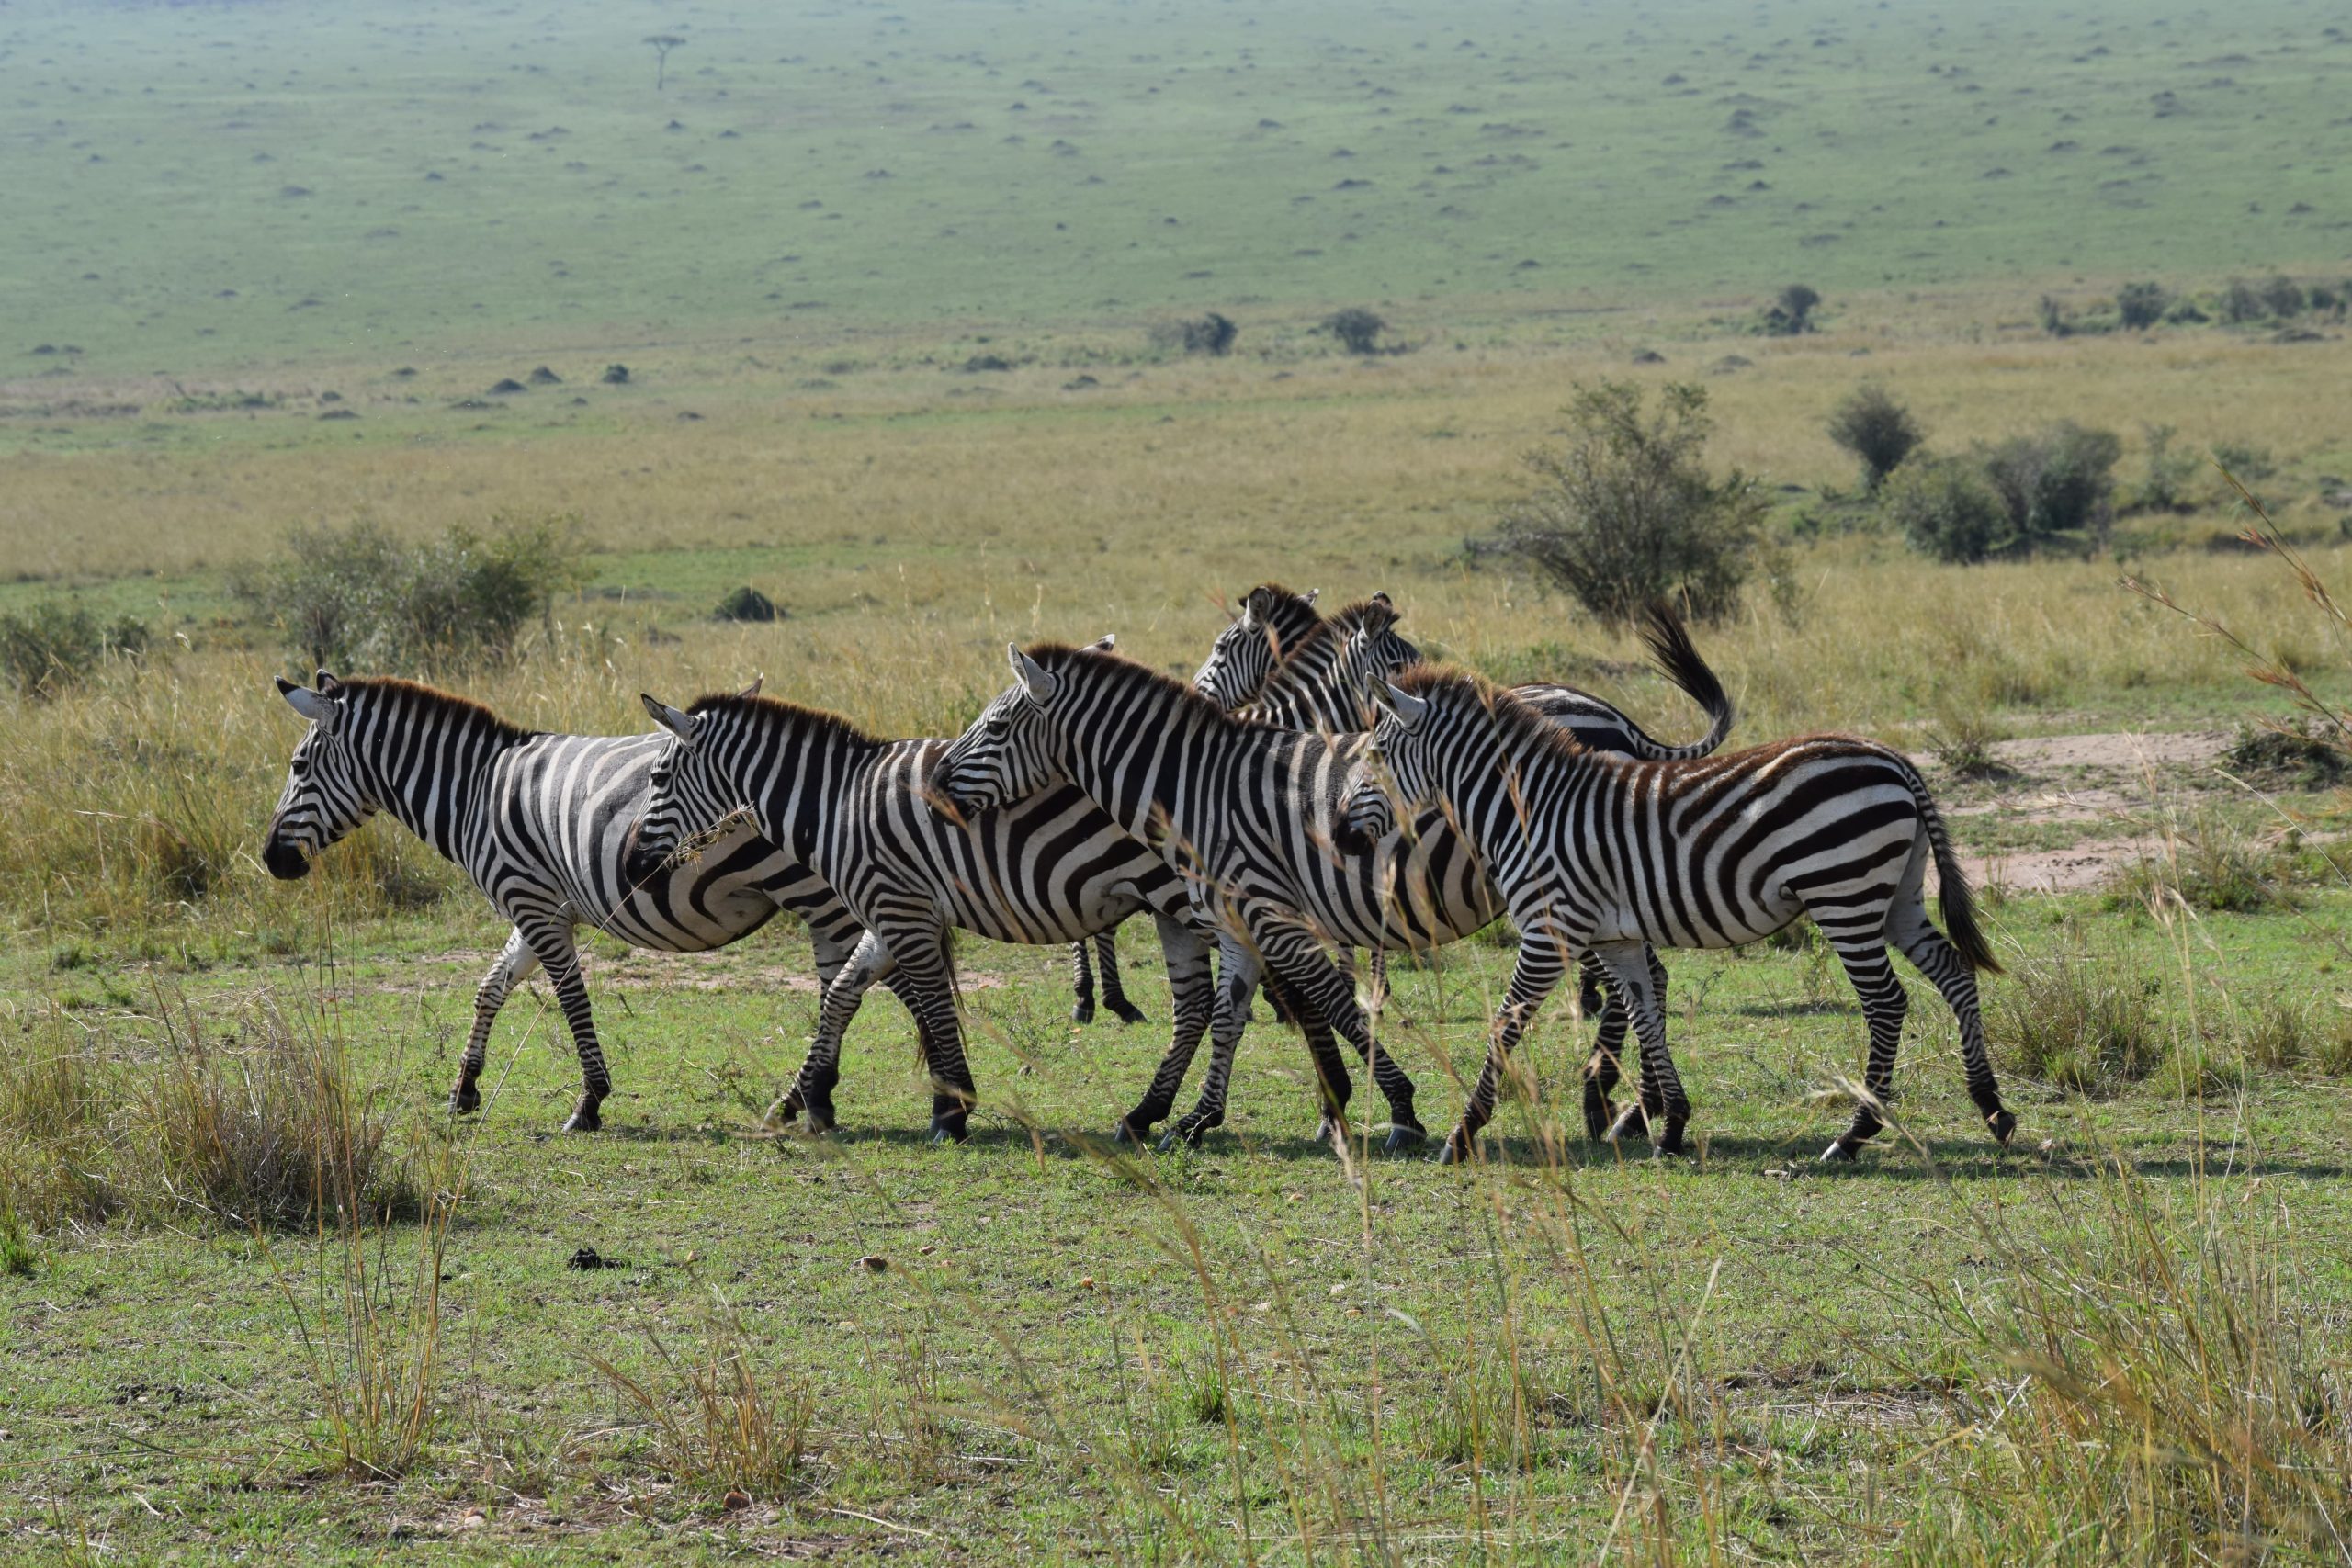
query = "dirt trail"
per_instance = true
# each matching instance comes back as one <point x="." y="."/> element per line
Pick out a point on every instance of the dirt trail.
<point x="2086" y="779"/>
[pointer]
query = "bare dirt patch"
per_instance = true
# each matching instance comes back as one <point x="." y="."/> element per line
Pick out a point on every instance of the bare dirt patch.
<point x="2095" y="781"/>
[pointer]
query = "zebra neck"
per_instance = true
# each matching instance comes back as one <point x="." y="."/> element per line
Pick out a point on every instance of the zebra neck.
<point x="1134" y="768"/>
<point x="793" y="776"/>
<point x="433" y="780"/>
<point x="1491" y="784"/>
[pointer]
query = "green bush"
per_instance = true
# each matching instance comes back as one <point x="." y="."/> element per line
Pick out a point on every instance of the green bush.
<point x="357" y="598"/>
<point x="58" y="642"/>
<point x="2057" y="479"/>
<point x="1210" y="334"/>
<point x="1877" y="430"/>
<point x="1791" y="314"/>
<point x="2080" y="1021"/>
<point x="1626" y="512"/>
<point x="2142" y="304"/>
<point x="1946" y="508"/>
<point x="1357" y="329"/>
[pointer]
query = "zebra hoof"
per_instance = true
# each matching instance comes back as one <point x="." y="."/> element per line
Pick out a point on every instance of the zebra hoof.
<point x="1632" y="1119"/>
<point x="464" y="1099"/>
<point x="1128" y="1011"/>
<point x="584" y="1119"/>
<point x="1404" y="1136"/>
<point x="1082" y="1014"/>
<point x="820" y="1118"/>
<point x="1596" y="1114"/>
<point x="1130" y="1133"/>
<point x="1455" y="1150"/>
<point x="1183" y="1136"/>
<point x="1669" y="1146"/>
<point x="947" y="1131"/>
<point x="2001" y="1124"/>
<point x="1838" y="1152"/>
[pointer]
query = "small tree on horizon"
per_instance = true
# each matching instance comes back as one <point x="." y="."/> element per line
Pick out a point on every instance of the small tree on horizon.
<point x="1357" y="329"/>
<point x="1877" y="430"/>
<point x="662" y="44"/>
<point x="1791" y="313"/>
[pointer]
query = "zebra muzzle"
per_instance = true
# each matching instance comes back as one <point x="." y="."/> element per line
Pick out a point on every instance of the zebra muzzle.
<point x="285" y="862"/>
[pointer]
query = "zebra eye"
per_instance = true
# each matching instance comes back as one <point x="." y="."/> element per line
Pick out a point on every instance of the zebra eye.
<point x="299" y="768"/>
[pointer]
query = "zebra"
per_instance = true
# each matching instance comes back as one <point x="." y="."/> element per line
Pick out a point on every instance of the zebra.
<point x="855" y="810"/>
<point x="1326" y="685"/>
<point x="1244" y="811"/>
<point x="1272" y="619"/>
<point x="1603" y="853"/>
<point x="537" y="821"/>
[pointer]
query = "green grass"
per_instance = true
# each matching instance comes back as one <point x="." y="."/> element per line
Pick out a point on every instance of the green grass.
<point x="1064" y="1348"/>
<point x="211" y="194"/>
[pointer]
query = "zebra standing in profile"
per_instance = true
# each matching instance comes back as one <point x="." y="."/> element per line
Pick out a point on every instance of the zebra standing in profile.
<point x="1326" y="685"/>
<point x="1272" y="619"/>
<point x="1244" y="812"/>
<point x="539" y="822"/>
<point x="855" y="809"/>
<point x="1595" y="853"/>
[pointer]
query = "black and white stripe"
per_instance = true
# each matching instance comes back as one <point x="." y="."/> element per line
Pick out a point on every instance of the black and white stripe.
<point x="1599" y="852"/>
<point x="855" y="809"/>
<point x="1244" y="812"/>
<point x="539" y="822"/>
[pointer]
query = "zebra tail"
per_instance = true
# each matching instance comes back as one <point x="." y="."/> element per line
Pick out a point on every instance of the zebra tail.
<point x="1671" y="650"/>
<point x="1954" y="898"/>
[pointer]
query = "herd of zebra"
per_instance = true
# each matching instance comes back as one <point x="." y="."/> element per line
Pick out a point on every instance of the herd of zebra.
<point x="1316" y="785"/>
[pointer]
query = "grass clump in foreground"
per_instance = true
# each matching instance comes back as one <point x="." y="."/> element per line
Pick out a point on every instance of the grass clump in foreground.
<point x="254" y="1119"/>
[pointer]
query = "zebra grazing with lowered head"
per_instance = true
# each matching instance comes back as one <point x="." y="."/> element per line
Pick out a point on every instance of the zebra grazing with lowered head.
<point x="1271" y="618"/>
<point x="1601" y="854"/>
<point x="539" y="822"/>
<point x="855" y="810"/>
<point x="1244" y="812"/>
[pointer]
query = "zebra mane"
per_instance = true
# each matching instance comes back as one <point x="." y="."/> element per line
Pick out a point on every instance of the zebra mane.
<point x="776" y="710"/>
<point x="1516" y="720"/>
<point x="393" y="689"/>
<point x="1126" y="671"/>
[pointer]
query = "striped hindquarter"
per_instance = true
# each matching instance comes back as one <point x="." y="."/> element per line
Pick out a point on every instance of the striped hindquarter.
<point x="540" y="823"/>
<point x="1602" y="852"/>
<point x="1051" y="869"/>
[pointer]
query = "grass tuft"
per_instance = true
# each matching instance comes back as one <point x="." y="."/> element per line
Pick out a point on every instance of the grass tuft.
<point x="2080" y="1020"/>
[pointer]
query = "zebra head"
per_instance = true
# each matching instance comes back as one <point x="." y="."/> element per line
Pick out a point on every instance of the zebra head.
<point x="1272" y="622"/>
<point x="326" y="795"/>
<point x="685" y="798"/>
<point x="1012" y="750"/>
<point x="1375" y="650"/>
<point x="1396" y="781"/>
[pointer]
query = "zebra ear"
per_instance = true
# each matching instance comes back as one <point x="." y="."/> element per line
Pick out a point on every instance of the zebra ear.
<point x="753" y="688"/>
<point x="1311" y="595"/>
<point x="1104" y="644"/>
<point x="1409" y="709"/>
<point x="316" y="708"/>
<point x="1041" y="681"/>
<point x="327" y="683"/>
<point x="682" y="725"/>
<point x="1248" y="622"/>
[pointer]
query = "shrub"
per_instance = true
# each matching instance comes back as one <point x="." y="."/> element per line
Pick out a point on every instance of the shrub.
<point x="358" y="598"/>
<point x="2240" y="303"/>
<point x="1791" y="313"/>
<point x="748" y="604"/>
<point x="2142" y="304"/>
<point x="615" y="376"/>
<point x="55" y="643"/>
<point x="2164" y="485"/>
<point x="1212" y="334"/>
<point x="2055" y="320"/>
<point x="1627" y="511"/>
<point x="2283" y="296"/>
<point x="2057" y="479"/>
<point x="1357" y="329"/>
<point x="1877" y="430"/>
<point x="2308" y="754"/>
<point x="1947" y="509"/>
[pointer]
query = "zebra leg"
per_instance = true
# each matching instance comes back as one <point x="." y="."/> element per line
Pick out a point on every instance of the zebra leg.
<point x="1114" y="995"/>
<point x="1332" y="1084"/>
<point x="1191" y="987"/>
<point x="1377" y="960"/>
<point x="1081" y="985"/>
<point x="1936" y="959"/>
<point x="1663" y="1105"/>
<point x="812" y="1087"/>
<point x="1319" y="984"/>
<point x="926" y="983"/>
<point x="1239" y="971"/>
<point x="551" y="942"/>
<point x="1533" y="978"/>
<point x="513" y="965"/>
<point x="1884" y="1005"/>
<point x="1603" y="1068"/>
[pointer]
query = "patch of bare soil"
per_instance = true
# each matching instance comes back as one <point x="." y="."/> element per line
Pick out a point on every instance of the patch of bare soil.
<point x="638" y="970"/>
<point x="2087" y="779"/>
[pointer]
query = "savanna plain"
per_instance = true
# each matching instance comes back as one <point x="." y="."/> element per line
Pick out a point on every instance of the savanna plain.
<point x="881" y="313"/>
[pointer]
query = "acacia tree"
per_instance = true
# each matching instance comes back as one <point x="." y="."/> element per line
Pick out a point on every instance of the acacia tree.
<point x="662" y="44"/>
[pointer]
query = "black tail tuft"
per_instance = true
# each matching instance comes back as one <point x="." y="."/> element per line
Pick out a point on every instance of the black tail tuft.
<point x="1670" y="649"/>
<point x="1954" y="898"/>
